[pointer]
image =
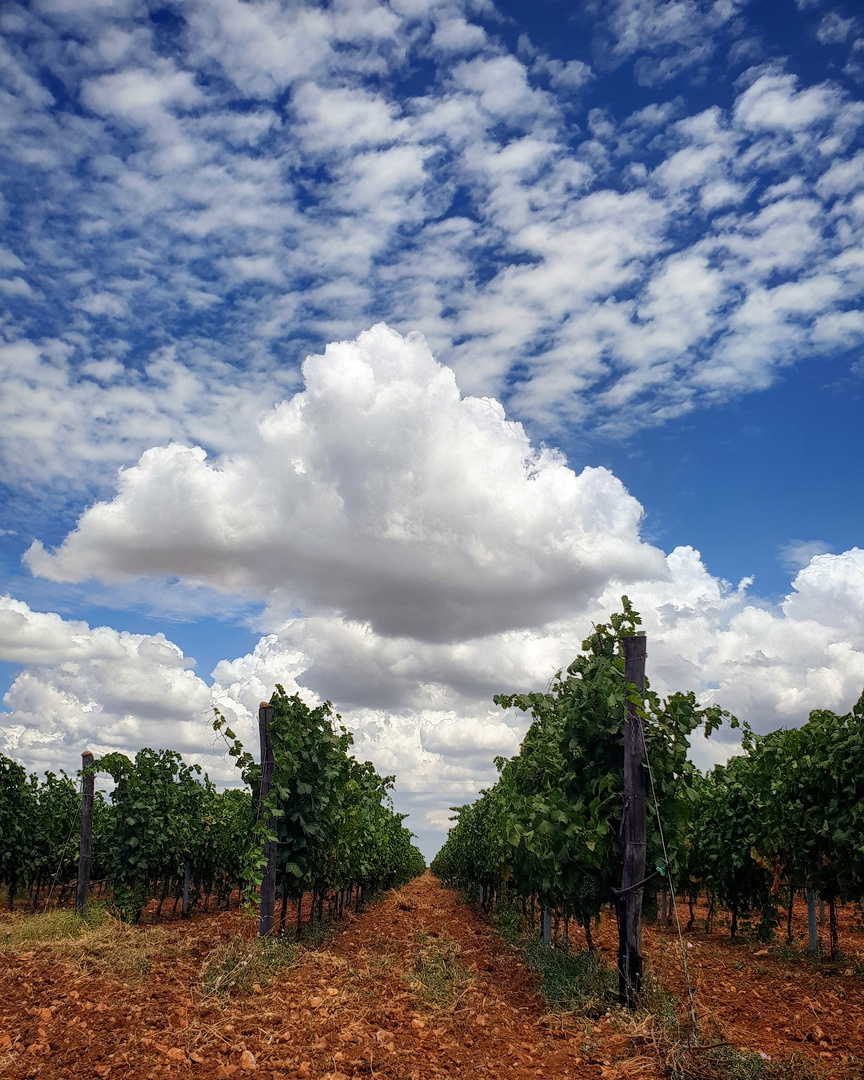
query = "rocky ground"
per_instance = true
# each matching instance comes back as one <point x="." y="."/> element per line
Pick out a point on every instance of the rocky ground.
<point x="416" y="987"/>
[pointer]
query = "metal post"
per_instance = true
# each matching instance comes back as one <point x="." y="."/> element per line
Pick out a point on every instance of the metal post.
<point x="545" y="926"/>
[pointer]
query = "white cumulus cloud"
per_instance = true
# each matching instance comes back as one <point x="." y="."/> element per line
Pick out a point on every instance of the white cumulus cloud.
<point x="379" y="492"/>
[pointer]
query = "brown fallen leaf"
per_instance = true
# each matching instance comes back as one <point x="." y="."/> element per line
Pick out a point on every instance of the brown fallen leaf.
<point x="176" y="1054"/>
<point x="247" y="1061"/>
<point x="199" y="1059"/>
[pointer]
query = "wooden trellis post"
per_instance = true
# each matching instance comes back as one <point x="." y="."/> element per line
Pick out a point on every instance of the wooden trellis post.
<point x="629" y="903"/>
<point x="84" y="844"/>
<point x="267" y="895"/>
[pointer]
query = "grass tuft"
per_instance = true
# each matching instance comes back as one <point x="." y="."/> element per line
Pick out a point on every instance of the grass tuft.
<point x="507" y="918"/>
<point x="57" y="925"/>
<point x="239" y="965"/>
<point x="95" y="942"/>
<point x="578" y="982"/>
<point x="439" y="976"/>
<point x="727" y="1063"/>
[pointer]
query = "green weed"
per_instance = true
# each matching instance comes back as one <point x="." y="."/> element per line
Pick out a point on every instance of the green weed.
<point x="579" y="982"/>
<point x="507" y="918"/>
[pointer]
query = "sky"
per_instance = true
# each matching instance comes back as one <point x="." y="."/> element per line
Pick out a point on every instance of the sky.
<point x="376" y="349"/>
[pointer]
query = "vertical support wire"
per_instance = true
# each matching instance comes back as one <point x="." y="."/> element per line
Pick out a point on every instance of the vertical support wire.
<point x="62" y="857"/>
<point x="690" y="1000"/>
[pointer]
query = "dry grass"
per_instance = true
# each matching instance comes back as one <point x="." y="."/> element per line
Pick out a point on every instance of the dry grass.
<point x="665" y="1049"/>
<point x="439" y="977"/>
<point x="95" y="942"/>
<point x="24" y="931"/>
<point x="242" y="964"/>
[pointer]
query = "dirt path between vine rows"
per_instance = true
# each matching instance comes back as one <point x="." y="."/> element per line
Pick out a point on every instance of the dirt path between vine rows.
<point x="417" y="987"/>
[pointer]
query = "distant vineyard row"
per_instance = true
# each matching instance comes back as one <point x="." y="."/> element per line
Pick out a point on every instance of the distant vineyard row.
<point x="164" y="822"/>
<point x="786" y="815"/>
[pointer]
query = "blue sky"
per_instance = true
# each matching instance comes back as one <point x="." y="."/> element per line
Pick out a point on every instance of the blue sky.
<point x="596" y="274"/>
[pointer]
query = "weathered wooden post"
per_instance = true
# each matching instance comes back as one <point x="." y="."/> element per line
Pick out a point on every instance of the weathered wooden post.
<point x="267" y="895"/>
<point x="86" y="835"/>
<point x="629" y="902"/>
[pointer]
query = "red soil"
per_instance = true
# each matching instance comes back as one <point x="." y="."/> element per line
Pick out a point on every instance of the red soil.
<point x="351" y="1009"/>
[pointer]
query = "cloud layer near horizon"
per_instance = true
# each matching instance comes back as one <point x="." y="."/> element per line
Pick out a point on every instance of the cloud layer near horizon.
<point x="416" y="555"/>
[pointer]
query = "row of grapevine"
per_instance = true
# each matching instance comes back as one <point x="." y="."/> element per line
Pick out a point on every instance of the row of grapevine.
<point x="786" y="815"/>
<point x="329" y="815"/>
<point x="165" y="823"/>
<point x="550" y="826"/>
<point x="36" y="820"/>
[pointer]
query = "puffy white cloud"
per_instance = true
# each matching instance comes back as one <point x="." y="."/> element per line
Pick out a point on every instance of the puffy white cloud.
<point x="455" y="34"/>
<point x="105" y="690"/>
<point x="378" y="492"/>
<point x="95" y="689"/>
<point x="773" y="103"/>
<point x="667" y="36"/>
<point x="418" y="555"/>
<point x="137" y="94"/>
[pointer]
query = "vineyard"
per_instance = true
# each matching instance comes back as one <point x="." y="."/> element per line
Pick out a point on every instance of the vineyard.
<point x="785" y="818"/>
<point x="167" y="832"/>
<point x="764" y="854"/>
